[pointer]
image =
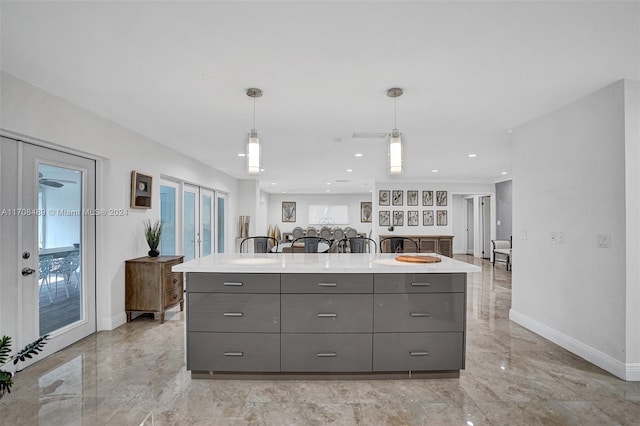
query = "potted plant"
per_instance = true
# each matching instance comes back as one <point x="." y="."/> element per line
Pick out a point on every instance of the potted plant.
<point x="6" y="377"/>
<point x="152" y="232"/>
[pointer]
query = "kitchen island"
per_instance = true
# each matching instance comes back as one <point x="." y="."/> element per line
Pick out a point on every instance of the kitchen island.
<point x="293" y="315"/>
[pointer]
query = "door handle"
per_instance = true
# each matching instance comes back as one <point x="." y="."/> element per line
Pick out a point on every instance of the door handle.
<point x="27" y="271"/>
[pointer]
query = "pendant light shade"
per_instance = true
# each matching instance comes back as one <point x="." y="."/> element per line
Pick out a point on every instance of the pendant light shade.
<point x="253" y="153"/>
<point x="395" y="137"/>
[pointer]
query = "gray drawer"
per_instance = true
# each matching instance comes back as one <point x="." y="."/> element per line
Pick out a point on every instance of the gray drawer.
<point x="233" y="352"/>
<point x="418" y="312"/>
<point x="418" y="351"/>
<point x="316" y="313"/>
<point x="327" y="283"/>
<point x="326" y="352"/>
<point x="420" y="283"/>
<point x="214" y="282"/>
<point x="233" y="312"/>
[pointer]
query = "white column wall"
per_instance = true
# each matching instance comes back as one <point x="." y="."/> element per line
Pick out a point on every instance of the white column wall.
<point x="569" y="180"/>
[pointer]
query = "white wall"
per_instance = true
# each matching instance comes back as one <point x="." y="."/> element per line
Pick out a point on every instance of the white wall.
<point x="30" y="111"/>
<point x="303" y="201"/>
<point x="632" y="200"/>
<point x="452" y="189"/>
<point x="569" y="178"/>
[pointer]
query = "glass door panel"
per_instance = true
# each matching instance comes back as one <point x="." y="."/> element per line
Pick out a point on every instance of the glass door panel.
<point x="168" y="218"/>
<point x="57" y="247"/>
<point x="206" y="221"/>
<point x="190" y="227"/>
<point x="220" y="222"/>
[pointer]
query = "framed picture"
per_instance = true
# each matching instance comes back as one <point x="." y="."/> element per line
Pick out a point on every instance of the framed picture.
<point x="288" y="211"/>
<point x="397" y="196"/>
<point x="427" y="198"/>
<point x="398" y="218"/>
<point x="412" y="217"/>
<point x="140" y="190"/>
<point x="441" y="198"/>
<point x="442" y="217"/>
<point x="412" y="198"/>
<point x="365" y="211"/>
<point x="383" y="197"/>
<point x="384" y="217"/>
<point x="427" y="218"/>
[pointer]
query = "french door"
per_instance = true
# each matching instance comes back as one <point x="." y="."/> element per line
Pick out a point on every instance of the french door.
<point x="198" y="210"/>
<point x="48" y="234"/>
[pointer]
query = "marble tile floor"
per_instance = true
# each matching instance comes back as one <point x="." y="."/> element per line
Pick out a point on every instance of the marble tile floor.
<point x="512" y="377"/>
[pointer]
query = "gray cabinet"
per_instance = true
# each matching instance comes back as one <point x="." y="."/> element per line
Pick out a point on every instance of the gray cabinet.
<point x="325" y="323"/>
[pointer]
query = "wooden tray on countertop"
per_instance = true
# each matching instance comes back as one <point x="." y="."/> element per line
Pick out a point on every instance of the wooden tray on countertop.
<point x="417" y="259"/>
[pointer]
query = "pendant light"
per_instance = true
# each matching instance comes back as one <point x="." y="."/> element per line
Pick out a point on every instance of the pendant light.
<point x="395" y="137"/>
<point x="253" y="145"/>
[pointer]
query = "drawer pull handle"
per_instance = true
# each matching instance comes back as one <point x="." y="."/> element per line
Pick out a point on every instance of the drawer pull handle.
<point x="420" y="284"/>
<point x="327" y="315"/>
<point x="175" y="280"/>
<point x="234" y="354"/>
<point x="175" y="296"/>
<point x="420" y="314"/>
<point x="419" y="353"/>
<point x="327" y="284"/>
<point x="233" y="314"/>
<point x="327" y="354"/>
<point x="233" y="284"/>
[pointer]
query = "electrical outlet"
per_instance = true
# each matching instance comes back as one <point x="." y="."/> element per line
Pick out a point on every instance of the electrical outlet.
<point x="603" y="241"/>
<point x="554" y="238"/>
<point x="561" y="238"/>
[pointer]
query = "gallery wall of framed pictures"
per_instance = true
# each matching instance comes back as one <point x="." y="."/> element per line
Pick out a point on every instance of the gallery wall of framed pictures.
<point x="412" y="207"/>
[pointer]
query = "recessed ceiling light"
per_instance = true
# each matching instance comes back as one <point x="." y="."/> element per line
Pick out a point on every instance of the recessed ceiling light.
<point x="509" y="131"/>
<point x="472" y="155"/>
<point x="262" y="170"/>
<point x="242" y="154"/>
<point x="284" y="192"/>
<point x="328" y="183"/>
<point x="358" y="154"/>
<point x="273" y="183"/>
<point x="435" y="171"/>
<point x="327" y="190"/>
<point x="349" y="170"/>
<point x="503" y="173"/>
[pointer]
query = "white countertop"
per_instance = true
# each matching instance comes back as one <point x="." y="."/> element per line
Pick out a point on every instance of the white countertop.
<point x="319" y="263"/>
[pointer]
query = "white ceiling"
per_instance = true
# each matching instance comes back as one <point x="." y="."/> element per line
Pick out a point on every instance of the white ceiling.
<point x="177" y="72"/>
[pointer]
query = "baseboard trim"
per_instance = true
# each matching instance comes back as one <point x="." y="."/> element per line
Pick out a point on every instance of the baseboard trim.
<point x="113" y="322"/>
<point x="629" y="372"/>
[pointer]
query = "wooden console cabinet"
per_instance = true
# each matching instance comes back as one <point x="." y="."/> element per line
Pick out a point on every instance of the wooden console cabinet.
<point x="441" y="244"/>
<point x="151" y="286"/>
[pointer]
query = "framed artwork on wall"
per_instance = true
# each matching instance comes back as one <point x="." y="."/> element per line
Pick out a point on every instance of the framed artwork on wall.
<point x="441" y="198"/>
<point x="365" y="211"/>
<point x="427" y="198"/>
<point x="442" y="217"/>
<point x="427" y="218"/>
<point x="384" y="195"/>
<point x="288" y="211"/>
<point x="384" y="218"/>
<point x="397" y="197"/>
<point x="398" y="218"/>
<point x="140" y="190"/>
<point x="412" y="198"/>
<point x="413" y="218"/>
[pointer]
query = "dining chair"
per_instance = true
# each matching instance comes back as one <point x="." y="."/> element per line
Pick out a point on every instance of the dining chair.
<point x="325" y="232"/>
<point x="502" y="248"/>
<point x="338" y="234"/>
<point x="399" y="245"/>
<point x="297" y="233"/>
<point x="361" y="245"/>
<point x="350" y="232"/>
<point x="311" y="244"/>
<point x="261" y="244"/>
<point x="44" y="270"/>
<point x="311" y="232"/>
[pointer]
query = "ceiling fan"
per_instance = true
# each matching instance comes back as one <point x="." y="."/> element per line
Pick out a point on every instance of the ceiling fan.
<point x="52" y="182"/>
